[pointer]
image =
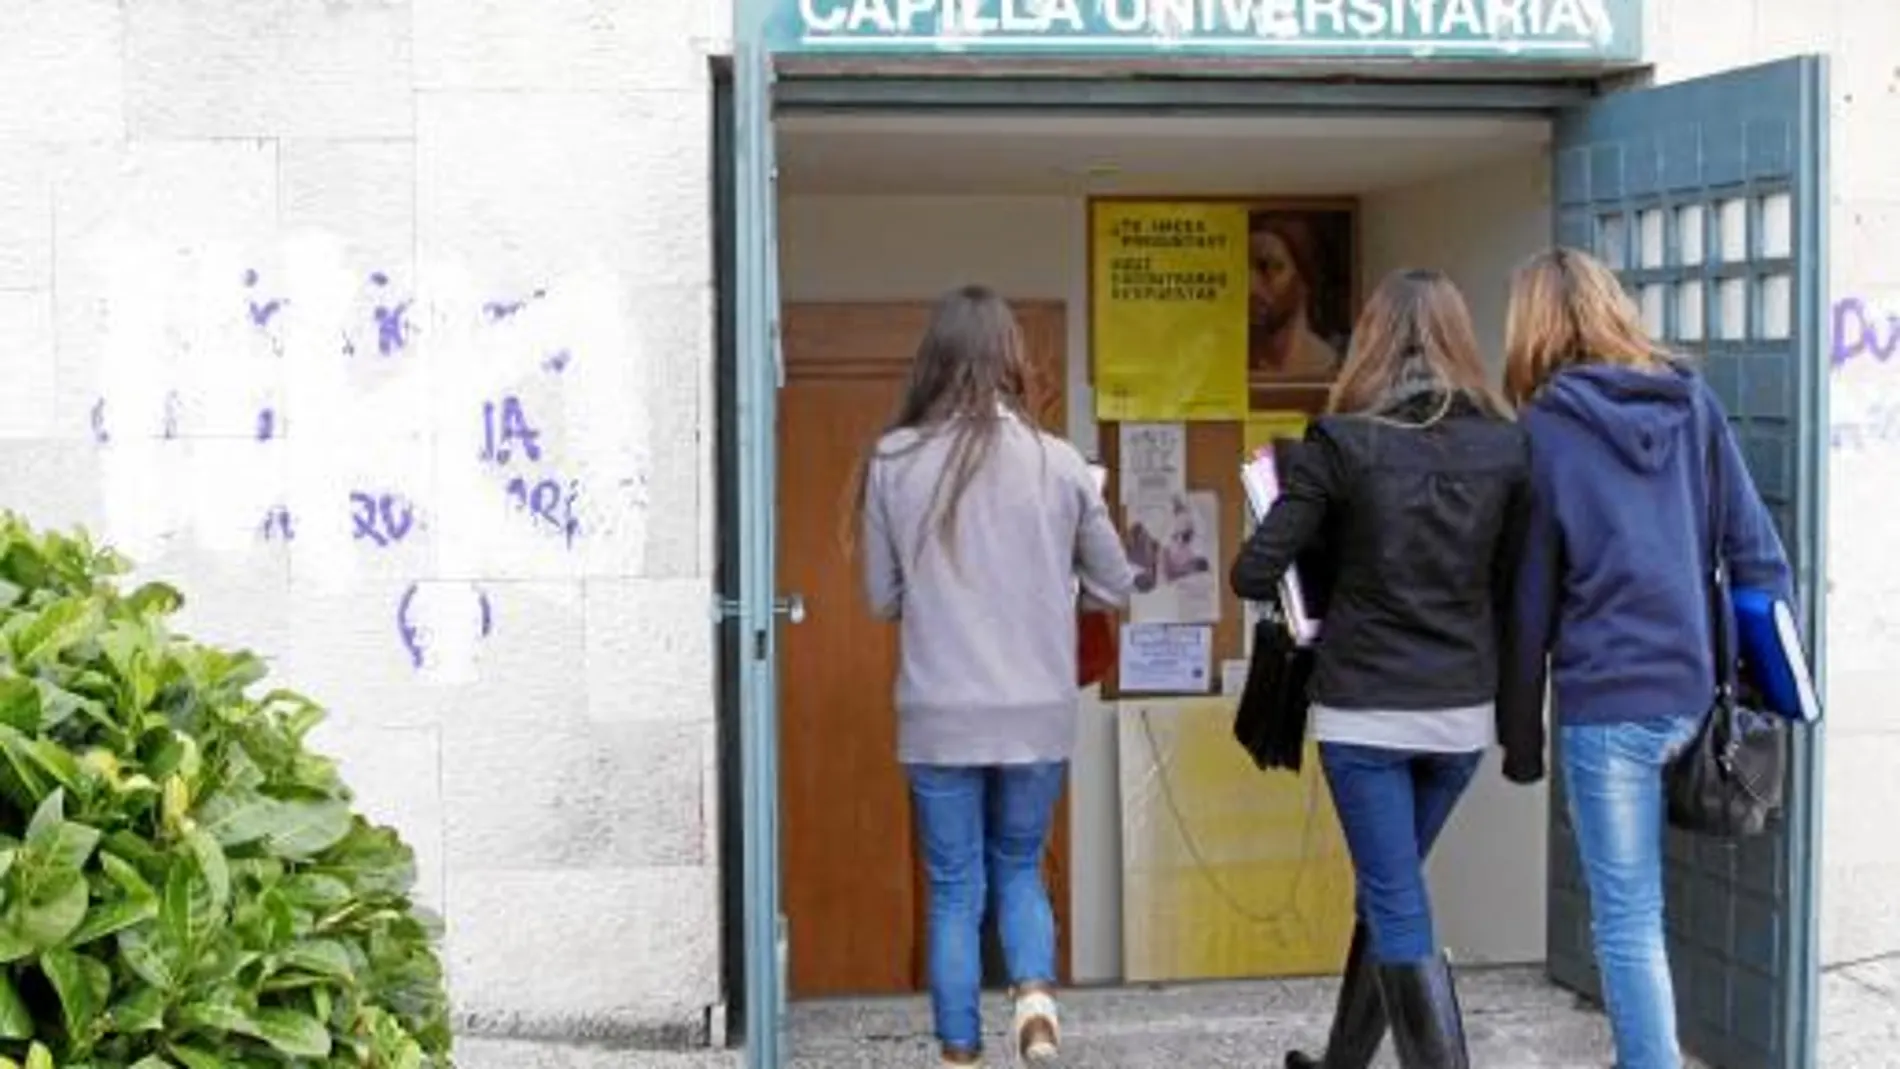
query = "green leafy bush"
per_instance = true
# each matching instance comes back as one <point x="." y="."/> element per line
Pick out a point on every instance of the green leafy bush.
<point x="182" y="883"/>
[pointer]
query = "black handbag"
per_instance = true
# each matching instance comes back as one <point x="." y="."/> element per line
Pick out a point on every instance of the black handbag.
<point x="1270" y="722"/>
<point x="1728" y="783"/>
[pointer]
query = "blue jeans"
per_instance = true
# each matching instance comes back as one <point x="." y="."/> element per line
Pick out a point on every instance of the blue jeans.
<point x="982" y="831"/>
<point x="1392" y="804"/>
<point x="1613" y="779"/>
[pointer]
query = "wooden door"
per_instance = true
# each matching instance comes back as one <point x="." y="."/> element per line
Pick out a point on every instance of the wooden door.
<point x="853" y="888"/>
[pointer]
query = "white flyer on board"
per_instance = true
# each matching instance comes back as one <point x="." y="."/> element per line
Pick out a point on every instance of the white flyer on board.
<point x="1174" y="544"/>
<point x="1165" y="658"/>
<point x="1153" y="460"/>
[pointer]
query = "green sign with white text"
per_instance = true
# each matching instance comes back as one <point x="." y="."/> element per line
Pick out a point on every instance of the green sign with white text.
<point x="1590" y="32"/>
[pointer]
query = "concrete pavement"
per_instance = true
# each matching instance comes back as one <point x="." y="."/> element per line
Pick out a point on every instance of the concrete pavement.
<point x="1515" y="1021"/>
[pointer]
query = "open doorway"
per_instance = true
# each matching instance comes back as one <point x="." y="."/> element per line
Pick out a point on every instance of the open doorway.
<point x="1707" y="197"/>
<point x="1158" y="871"/>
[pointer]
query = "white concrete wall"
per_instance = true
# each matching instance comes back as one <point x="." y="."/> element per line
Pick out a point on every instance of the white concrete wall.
<point x="1860" y="913"/>
<point x="1489" y="875"/>
<point x="555" y="773"/>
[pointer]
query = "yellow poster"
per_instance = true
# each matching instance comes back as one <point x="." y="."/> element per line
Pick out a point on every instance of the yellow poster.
<point x="1263" y="427"/>
<point x="1227" y="871"/>
<point x="1169" y="287"/>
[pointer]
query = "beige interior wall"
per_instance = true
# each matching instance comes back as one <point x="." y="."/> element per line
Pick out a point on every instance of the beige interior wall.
<point x="1489" y="872"/>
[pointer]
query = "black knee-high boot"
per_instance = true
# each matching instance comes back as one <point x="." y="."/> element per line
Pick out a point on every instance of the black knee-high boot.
<point x="1358" y="1017"/>
<point x="1428" y="1030"/>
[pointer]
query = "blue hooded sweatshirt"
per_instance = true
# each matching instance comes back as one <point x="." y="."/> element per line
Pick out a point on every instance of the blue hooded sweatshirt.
<point x="1610" y="601"/>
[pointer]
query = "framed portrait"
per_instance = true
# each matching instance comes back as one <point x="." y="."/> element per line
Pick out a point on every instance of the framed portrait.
<point x="1301" y="299"/>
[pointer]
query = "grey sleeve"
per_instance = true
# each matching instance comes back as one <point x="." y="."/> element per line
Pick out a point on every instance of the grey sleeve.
<point x="877" y="545"/>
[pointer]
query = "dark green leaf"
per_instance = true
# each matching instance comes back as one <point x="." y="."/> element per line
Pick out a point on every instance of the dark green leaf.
<point x="57" y="626"/>
<point x="150" y="957"/>
<point x="221" y="958"/>
<point x="194" y="1058"/>
<point x="162" y="751"/>
<point x="237" y="817"/>
<point x="141" y="1011"/>
<point x="26" y="785"/>
<point x="187" y="913"/>
<point x="156" y="598"/>
<point x="316" y="891"/>
<point x="16" y="1021"/>
<point x="305" y="829"/>
<point x="57" y="704"/>
<point x="46" y="819"/>
<point x="208" y="856"/>
<point x="127" y="877"/>
<point x="63" y="768"/>
<point x="218" y="1016"/>
<point x="19" y="703"/>
<point x="46" y="912"/>
<point x="98" y="976"/>
<point x="113" y="918"/>
<point x="295" y="1034"/>
<point x="77" y="1002"/>
<point x="323" y="957"/>
<point x="71" y="845"/>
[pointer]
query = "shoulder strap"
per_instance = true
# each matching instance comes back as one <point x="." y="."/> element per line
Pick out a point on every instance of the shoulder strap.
<point x="1717" y="582"/>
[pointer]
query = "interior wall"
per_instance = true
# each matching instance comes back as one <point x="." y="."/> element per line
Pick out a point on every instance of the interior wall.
<point x="1489" y="871"/>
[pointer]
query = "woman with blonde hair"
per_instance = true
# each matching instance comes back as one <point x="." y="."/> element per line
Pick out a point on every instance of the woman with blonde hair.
<point x="1415" y="475"/>
<point x="1610" y="602"/>
<point x="978" y="530"/>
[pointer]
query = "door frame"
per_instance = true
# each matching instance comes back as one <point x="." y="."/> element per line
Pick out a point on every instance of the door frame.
<point x="762" y="92"/>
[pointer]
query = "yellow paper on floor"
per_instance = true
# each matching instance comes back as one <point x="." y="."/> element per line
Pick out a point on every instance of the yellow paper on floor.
<point x="1227" y="871"/>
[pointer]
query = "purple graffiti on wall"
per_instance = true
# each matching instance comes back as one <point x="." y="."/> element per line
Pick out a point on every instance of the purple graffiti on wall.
<point x="261" y="312"/>
<point x="1862" y="332"/>
<point x="414" y="639"/>
<point x="277" y="526"/>
<point x="511" y="441"/>
<point x="393" y="328"/>
<point x="380" y="519"/>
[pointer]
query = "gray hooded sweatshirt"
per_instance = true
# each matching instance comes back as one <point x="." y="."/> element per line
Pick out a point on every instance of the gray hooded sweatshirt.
<point x="987" y="624"/>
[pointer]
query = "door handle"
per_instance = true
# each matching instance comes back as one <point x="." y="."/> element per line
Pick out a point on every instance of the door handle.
<point x="792" y="607"/>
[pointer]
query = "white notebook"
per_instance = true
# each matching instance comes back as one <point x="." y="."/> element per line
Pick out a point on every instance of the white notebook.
<point x="1262" y="482"/>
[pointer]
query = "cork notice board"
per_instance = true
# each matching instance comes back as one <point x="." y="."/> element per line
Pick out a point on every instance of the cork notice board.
<point x="1316" y="240"/>
<point x="1214" y="452"/>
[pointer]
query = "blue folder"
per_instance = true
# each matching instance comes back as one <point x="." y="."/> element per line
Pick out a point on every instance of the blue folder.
<point x="1771" y="655"/>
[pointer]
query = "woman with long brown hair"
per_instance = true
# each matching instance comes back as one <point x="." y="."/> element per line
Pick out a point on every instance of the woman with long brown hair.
<point x="977" y="532"/>
<point x="1611" y="608"/>
<point x="1415" y="473"/>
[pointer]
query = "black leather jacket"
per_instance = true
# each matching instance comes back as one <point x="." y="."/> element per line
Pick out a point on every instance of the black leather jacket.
<point x="1420" y="526"/>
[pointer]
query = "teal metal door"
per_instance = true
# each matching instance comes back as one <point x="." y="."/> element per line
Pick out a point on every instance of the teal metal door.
<point x="757" y="380"/>
<point x="1709" y="199"/>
